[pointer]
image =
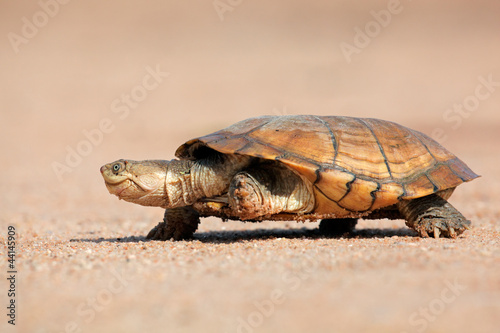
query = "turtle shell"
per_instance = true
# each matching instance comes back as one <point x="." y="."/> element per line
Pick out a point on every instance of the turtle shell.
<point x="353" y="164"/>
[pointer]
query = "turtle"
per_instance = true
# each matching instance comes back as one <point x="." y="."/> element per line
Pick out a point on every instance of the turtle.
<point x="335" y="169"/>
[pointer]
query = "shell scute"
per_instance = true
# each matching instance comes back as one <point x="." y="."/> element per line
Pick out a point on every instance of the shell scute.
<point x="355" y="148"/>
<point x="419" y="187"/>
<point x="334" y="183"/>
<point x="461" y="170"/>
<point x="388" y="194"/>
<point x="360" y="195"/>
<point x="403" y="151"/>
<point x="442" y="177"/>
<point x="295" y="137"/>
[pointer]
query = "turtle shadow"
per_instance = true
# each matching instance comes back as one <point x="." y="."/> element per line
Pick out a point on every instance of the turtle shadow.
<point x="234" y="236"/>
<point x="129" y="239"/>
<point x="226" y="236"/>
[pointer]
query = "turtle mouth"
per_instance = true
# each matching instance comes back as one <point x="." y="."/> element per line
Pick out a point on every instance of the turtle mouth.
<point x="114" y="181"/>
<point x="119" y="188"/>
<point x="104" y="168"/>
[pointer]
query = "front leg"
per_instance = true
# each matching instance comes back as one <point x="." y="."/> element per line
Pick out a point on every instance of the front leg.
<point x="267" y="190"/>
<point x="178" y="223"/>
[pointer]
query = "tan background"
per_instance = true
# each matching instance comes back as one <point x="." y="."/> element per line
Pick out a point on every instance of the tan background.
<point x="82" y="260"/>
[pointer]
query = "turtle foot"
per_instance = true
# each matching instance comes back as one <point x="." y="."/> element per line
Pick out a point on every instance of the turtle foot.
<point x="178" y="224"/>
<point x="433" y="216"/>
<point x="441" y="227"/>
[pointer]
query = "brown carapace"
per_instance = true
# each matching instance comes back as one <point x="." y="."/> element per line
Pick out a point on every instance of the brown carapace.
<point x="356" y="165"/>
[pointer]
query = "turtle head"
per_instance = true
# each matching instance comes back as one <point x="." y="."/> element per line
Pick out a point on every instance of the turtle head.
<point x="140" y="182"/>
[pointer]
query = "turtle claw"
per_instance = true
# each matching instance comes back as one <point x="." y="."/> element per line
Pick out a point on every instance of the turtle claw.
<point x="436" y="233"/>
<point x="160" y="232"/>
<point x="151" y="233"/>
<point x="439" y="228"/>
<point x="423" y="233"/>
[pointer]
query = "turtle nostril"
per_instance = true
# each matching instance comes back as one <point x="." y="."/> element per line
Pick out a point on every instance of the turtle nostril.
<point x="103" y="168"/>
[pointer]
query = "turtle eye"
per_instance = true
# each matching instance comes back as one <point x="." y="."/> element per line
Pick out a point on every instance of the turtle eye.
<point x="116" y="167"/>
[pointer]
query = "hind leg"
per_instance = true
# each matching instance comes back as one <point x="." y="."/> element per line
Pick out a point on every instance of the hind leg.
<point x="268" y="190"/>
<point x="178" y="223"/>
<point x="433" y="215"/>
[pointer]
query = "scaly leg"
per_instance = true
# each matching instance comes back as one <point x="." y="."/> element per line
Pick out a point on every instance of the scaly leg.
<point x="268" y="190"/>
<point x="433" y="215"/>
<point x="178" y="223"/>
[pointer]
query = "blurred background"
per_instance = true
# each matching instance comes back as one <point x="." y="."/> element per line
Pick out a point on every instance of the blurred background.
<point x="83" y="83"/>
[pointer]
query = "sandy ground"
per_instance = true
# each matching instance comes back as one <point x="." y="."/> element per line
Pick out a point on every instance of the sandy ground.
<point x="86" y="83"/>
